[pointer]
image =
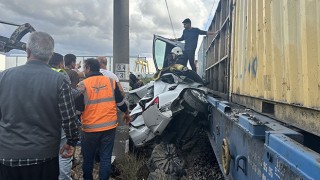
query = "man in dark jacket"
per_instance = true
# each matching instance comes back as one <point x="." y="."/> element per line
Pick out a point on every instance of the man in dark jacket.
<point x="70" y="64"/>
<point x="35" y="101"/>
<point x="190" y="36"/>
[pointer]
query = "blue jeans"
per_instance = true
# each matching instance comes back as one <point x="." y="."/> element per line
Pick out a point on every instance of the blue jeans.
<point x="65" y="164"/>
<point x="103" y="141"/>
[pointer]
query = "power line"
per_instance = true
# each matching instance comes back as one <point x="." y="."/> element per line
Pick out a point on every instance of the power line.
<point x="8" y="23"/>
<point x="174" y="34"/>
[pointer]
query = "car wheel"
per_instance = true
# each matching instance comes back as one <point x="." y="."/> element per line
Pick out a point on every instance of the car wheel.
<point x="196" y="100"/>
<point x="165" y="158"/>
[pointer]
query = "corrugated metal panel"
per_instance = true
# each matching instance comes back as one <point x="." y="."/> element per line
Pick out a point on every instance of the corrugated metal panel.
<point x="277" y="51"/>
<point x="201" y="57"/>
<point x="218" y="51"/>
<point x="276" y="55"/>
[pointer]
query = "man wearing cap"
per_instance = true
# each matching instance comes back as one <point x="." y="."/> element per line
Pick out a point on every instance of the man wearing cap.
<point x="190" y="36"/>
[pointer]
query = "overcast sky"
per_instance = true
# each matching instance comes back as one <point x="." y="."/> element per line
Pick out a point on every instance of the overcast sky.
<point x="86" y="27"/>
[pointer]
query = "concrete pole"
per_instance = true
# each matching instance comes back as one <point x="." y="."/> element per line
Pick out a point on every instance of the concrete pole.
<point x="121" y="65"/>
<point x="121" y="41"/>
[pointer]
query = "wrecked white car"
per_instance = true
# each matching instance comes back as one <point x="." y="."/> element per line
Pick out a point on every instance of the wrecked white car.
<point x="169" y="115"/>
<point x="172" y="105"/>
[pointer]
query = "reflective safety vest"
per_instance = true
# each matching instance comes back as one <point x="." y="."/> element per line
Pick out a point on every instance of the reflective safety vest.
<point x="100" y="112"/>
<point x="57" y="70"/>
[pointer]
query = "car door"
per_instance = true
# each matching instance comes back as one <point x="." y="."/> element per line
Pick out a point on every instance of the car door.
<point x="161" y="48"/>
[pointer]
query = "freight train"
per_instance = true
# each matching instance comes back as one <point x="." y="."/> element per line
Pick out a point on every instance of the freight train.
<point x="264" y="69"/>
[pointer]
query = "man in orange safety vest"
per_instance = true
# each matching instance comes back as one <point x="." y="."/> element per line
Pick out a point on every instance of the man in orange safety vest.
<point x="101" y="97"/>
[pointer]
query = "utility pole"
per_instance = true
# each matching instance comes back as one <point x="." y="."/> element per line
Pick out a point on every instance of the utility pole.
<point x="121" y="41"/>
<point x="121" y="63"/>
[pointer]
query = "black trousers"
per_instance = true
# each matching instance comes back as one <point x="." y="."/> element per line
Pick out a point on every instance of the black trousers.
<point x="190" y="55"/>
<point x="48" y="170"/>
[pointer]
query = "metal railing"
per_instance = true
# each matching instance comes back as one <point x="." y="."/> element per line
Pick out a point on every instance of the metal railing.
<point x="18" y="60"/>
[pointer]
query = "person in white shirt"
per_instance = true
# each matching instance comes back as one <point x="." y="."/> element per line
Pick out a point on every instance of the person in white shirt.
<point x="103" y="70"/>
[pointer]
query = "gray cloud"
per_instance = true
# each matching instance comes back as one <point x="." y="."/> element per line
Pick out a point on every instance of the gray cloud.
<point x="86" y="27"/>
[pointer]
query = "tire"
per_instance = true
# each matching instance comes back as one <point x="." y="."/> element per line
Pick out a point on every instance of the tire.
<point x="165" y="158"/>
<point x="196" y="100"/>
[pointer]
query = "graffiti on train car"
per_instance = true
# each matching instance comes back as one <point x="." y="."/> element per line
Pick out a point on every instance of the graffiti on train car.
<point x="251" y="67"/>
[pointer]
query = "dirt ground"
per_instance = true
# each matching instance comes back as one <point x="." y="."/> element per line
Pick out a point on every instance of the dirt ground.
<point x="76" y="172"/>
<point x="200" y="164"/>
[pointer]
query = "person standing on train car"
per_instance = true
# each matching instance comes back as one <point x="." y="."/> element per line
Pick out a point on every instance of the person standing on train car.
<point x="190" y="35"/>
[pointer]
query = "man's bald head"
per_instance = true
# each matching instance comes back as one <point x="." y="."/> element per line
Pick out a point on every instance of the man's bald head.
<point x="103" y="61"/>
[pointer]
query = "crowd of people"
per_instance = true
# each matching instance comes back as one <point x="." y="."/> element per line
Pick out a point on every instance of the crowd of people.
<point x="42" y="105"/>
